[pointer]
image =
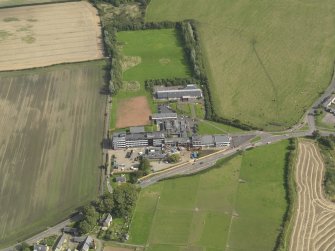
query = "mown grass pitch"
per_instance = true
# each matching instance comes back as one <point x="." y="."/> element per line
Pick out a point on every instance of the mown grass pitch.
<point x="237" y="206"/>
<point x="148" y="54"/>
<point x="50" y="134"/>
<point x="267" y="61"/>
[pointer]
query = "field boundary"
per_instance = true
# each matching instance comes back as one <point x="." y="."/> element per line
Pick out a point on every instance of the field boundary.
<point x="34" y="4"/>
<point x="291" y="194"/>
<point x="191" y="40"/>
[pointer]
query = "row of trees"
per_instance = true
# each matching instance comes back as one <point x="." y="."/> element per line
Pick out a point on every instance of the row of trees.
<point x="191" y="41"/>
<point x="120" y="204"/>
<point x="192" y="46"/>
<point x="327" y="147"/>
<point x="289" y="196"/>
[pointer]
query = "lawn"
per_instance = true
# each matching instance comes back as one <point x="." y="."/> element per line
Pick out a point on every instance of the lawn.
<point x="148" y="54"/>
<point x="263" y="66"/>
<point x="52" y="126"/>
<point x="237" y="206"/>
<point x="209" y="127"/>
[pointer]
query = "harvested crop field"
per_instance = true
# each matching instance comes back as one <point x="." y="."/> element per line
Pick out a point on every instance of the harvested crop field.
<point x="133" y="112"/>
<point x="7" y="3"/>
<point x="315" y="218"/>
<point x="50" y="134"/>
<point x="42" y="35"/>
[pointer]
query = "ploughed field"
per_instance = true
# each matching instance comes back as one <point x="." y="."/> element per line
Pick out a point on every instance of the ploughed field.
<point x="313" y="227"/>
<point x="50" y="134"/>
<point x="42" y="35"/>
<point x="237" y="206"/>
<point x="267" y="60"/>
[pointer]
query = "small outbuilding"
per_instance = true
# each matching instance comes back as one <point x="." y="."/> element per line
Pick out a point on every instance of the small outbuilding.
<point x="107" y="222"/>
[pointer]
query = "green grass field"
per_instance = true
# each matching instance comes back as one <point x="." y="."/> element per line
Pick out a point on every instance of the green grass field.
<point x="267" y="61"/>
<point x="149" y="54"/>
<point x="52" y="126"/>
<point x="237" y="206"/>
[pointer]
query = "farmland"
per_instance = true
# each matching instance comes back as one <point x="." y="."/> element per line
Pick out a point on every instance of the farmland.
<point x="315" y="215"/>
<point x="42" y="35"/>
<point x="8" y="3"/>
<point x="263" y="66"/>
<point x="149" y="54"/>
<point x="51" y="129"/>
<point x="238" y="205"/>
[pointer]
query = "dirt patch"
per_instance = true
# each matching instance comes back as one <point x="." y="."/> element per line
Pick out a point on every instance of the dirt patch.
<point x="132" y="86"/>
<point x="164" y="61"/>
<point x="130" y="62"/>
<point x="133" y="112"/>
<point x="42" y="35"/>
<point x="117" y="249"/>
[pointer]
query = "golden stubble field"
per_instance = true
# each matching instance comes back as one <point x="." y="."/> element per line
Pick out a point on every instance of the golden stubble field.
<point x="313" y="227"/>
<point x="42" y="35"/>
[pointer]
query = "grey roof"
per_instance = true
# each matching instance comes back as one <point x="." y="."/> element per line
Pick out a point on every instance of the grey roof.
<point x="136" y="136"/>
<point x="79" y="239"/>
<point x="60" y="242"/>
<point x="39" y="247"/>
<point x="163" y="115"/>
<point x="87" y="244"/>
<point x="188" y="91"/>
<point x="120" y="179"/>
<point x="108" y="219"/>
<point x="155" y="135"/>
<point x="221" y="138"/>
<point x="207" y="139"/>
<point x="70" y="230"/>
<point x="136" y="129"/>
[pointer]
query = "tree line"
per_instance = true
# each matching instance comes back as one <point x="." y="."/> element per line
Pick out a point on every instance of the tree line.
<point x="119" y="204"/>
<point x="190" y="38"/>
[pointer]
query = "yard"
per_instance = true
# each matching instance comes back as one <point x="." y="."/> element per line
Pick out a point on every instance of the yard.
<point x="149" y="54"/>
<point x="51" y="130"/>
<point x="263" y="66"/>
<point x="237" y="206"/>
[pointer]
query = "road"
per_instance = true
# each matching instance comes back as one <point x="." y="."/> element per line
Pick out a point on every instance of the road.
<point x="55" y="230"/>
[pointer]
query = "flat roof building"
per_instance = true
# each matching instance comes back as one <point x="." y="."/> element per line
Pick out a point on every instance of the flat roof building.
<point x="211" y="141"/>
<point x="174" y="93"/>
<point x="163" y="116"/>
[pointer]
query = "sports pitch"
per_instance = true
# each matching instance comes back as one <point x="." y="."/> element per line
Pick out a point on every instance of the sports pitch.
<point x="43" y="35"/>
<point x="238" y="206"/>
<point x="267" y="60"/>
<point x="148" y="54"/>
<point x="50" y="134"/>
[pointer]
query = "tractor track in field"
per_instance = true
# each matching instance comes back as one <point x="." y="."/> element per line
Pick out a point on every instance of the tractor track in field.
<point x="314" y="223"/>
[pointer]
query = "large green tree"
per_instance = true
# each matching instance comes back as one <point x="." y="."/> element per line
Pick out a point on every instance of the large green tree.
<point x="125" y="197"/>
